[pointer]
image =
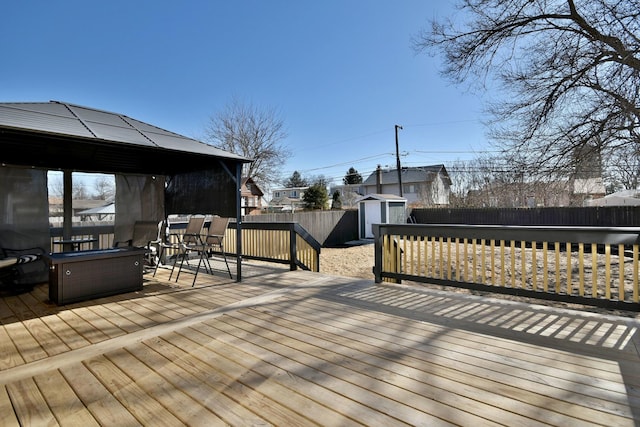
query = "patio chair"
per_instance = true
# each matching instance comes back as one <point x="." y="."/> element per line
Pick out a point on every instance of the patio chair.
<point x="21" y="269"/>
<point x="191" y="236"/>
<point x="213" y="242"/>
<point x="146" y="235"/>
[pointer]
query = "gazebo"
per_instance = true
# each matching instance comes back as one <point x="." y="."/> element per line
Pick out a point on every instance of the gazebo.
<point x="158" y="172"/>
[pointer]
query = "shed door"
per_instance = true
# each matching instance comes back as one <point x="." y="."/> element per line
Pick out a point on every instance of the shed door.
<point x="397" y="213"/>
<point x="373" y="215"/>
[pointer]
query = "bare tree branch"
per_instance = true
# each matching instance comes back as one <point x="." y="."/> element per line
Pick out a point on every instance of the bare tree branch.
<point x="252" y="132"/>
<point x="570" y="72"/>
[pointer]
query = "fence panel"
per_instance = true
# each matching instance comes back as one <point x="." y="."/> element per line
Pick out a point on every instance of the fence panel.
<point x="596" y="216"/>
<point x="330" y="228"/>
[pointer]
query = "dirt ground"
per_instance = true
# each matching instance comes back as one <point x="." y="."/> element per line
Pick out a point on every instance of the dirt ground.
<point x="358" y="261"/>
<point x="353" y="261"/>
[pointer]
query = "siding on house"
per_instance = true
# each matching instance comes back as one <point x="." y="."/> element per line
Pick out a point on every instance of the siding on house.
<point x="421" y="186"/>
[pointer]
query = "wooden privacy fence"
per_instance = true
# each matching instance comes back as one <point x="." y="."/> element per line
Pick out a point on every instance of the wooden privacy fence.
<point x="584" y="216"/>
<point x="587" y="265"/>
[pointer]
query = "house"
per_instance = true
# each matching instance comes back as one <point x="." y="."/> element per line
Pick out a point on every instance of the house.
<point x="532" y="193"/>
<point x="251" y="203"/>
<point x="287" y="199"/>
<point x="349" y="194"/>
<point x="79" y="209"/>
<point x="105" y="212"/>
<point x="620" y="198"/>
<point x="422" y="186"/>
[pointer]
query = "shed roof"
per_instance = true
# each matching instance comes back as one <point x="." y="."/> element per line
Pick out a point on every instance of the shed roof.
<point x="59" y="135"/>
<point x="381" y="197"/>
<point x="103" y="210"/>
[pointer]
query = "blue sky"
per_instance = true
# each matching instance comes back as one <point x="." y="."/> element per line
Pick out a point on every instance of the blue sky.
<point x="341" y="73"/>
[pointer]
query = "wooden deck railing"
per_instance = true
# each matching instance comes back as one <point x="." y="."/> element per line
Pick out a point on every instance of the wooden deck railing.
<point x="586" y="265"/>
<point x="103" y="235"/>
<point x="281" y="242"/>
<point x="278" y="242"/>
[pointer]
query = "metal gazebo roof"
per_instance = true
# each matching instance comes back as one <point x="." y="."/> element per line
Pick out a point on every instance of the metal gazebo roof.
<point x="59" y="135"/>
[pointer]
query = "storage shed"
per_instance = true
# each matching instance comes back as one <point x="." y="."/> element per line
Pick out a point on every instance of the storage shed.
<point x="380" y="209"/>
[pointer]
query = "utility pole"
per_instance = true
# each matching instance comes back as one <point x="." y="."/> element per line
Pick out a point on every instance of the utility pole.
<point x="398" y="160"/>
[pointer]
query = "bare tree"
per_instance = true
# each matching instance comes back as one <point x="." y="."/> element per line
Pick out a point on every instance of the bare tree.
<point x="571" y="71"/>
<point x="624" y="170"/>
<point x="252" y="132"/>
<point x="56" y="186"/>
<point x="495" y="181"/>
<point x="104" y="188"/>
<point x="78" y="189"/>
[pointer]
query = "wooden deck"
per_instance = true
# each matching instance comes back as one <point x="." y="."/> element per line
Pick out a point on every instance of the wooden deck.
<point x="300" y="348"/>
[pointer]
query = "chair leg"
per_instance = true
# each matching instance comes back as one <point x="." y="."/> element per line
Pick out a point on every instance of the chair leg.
<point x="180" y="254"/>
<point x="183" y="255"/>
<point x="224" y="256"/>
<point x="207" y="266"/>
<point x="160" y="253"/>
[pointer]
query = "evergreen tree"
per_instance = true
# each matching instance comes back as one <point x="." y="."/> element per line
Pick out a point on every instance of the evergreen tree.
<point x="316" y="197"/>
<point x="352" y="177"/>
<point x="295" y="180"/>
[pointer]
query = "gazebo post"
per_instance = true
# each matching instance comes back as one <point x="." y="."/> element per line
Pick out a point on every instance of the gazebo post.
<point x="67" y="208"/>
<point x="238" y="222"/>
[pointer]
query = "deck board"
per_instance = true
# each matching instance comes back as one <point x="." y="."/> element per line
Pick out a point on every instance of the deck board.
<point x="161" y="357"/>
<point x="301" y="348"/>
<point x="143" y="407"/>
<point x="402" y="382"/>
<point x="65" y="405"/>
<point x="102" y="404"/>
<point x="29" y="404"/>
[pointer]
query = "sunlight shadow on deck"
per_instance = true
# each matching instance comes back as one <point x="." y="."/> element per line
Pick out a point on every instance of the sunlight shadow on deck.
<point x="552" y="327"/>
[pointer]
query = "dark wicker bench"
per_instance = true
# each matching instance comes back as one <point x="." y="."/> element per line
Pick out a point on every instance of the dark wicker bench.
<point x="21" y="269"/>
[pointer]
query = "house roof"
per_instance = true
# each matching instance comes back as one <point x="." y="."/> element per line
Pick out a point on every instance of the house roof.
<point x="251" y="186"/>
<point x="59" y="135"/>
<point x="101" y="210"/>
<point x="409" y="175"/>
<point x="621" y="198"/>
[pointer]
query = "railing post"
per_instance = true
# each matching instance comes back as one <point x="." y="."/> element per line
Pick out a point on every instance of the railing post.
<point x="377" y="248"/>
<point x="292" y="247"/>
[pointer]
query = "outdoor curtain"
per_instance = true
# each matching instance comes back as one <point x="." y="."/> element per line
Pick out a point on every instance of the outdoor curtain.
<point x="138" y="197"/>
<point x="24" y="208"/>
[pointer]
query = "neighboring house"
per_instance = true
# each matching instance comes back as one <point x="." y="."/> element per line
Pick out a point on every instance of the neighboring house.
<point x="287" y="199"/>
<point x="251" y="195"/>
<point x="587" y="189"/>
<point x="423" y="186"/>
<point x="79" y="205"/>
<point x="102" y="213"/>
<point x="620" y="198"/>
<point x="349" y="194"/>
<point x="574" y="192"/>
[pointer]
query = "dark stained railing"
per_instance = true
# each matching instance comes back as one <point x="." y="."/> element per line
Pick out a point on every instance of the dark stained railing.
<point x="587" y="265"/>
